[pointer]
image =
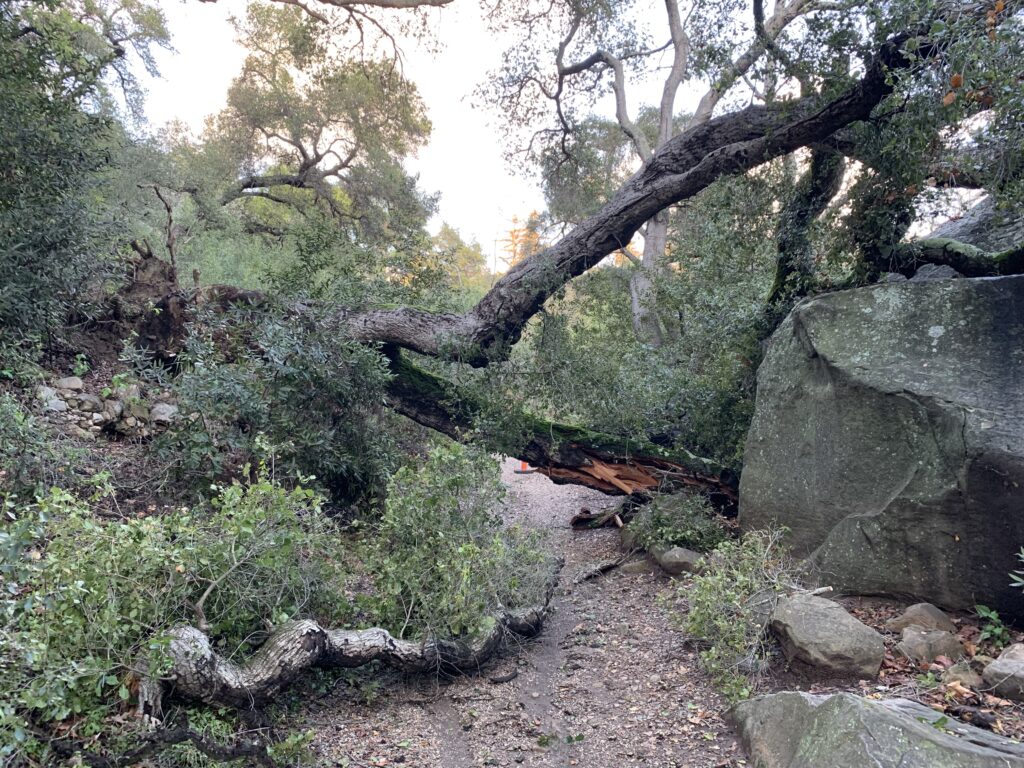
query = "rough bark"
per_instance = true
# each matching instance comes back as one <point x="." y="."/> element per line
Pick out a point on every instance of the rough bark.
<point x="966" y="259"/>
<point x="198" y="672"/>
<point x="566" y="454"/>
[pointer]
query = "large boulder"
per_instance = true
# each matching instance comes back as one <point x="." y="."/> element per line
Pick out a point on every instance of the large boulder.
<point x="820" y="633"/>
<point x="888" y="436"/>
<point x="800" y="730"/>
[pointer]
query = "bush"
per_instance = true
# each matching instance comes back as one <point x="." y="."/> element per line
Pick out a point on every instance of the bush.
<point x="258" y="386"/>
<point x="85" y="601"/>
<point x="678" y="520"/>
<point x="730" y="604"/>
<point x="444" y="561"/>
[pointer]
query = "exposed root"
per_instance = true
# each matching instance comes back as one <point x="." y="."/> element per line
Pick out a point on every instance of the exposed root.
<point x="198" y="672"/>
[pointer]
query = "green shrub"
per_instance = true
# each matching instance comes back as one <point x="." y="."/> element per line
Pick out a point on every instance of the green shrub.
<point x="30" y="458"/>
<point x="444" y="561"/>
<point x="258" y="385"/>
<point x="678" y="520"/>
<point x="85" y="600"/>
<point x="729" y="606"/>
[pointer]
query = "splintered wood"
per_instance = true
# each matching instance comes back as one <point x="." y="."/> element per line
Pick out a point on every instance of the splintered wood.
<point x="638" y="475"/>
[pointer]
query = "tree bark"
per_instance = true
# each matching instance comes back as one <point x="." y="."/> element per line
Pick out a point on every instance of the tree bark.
<point x="567" y="454"/>
<point x="198" y="672"/>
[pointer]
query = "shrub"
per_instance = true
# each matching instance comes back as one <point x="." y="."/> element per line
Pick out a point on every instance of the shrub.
<point x="444" y="561"/>
<point x="730" y="604"/>
<point x="258" y="385"/>
<point x="678" y="520"/>
<point x="85" y="600"/>
<point x="30" y="459"/>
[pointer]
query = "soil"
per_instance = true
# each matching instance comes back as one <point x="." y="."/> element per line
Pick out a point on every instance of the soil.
<point x="610" y="682"/>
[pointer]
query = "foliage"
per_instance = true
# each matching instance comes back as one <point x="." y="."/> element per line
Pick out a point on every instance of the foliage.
<point x="258" y="385"/>
<point x="678" y="520"/>
<point x="993" y="630"/>
<point x="85" y="601"/>
<point x="444" y="562"/>
<point x="29" y="459"/>
<point x="729" y="606"/>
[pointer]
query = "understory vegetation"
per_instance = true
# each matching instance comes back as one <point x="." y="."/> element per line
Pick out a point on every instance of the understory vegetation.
<point x="337" y="368"/>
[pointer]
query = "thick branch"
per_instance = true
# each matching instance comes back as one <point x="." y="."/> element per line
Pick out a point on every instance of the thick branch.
<point x="566" y="454"/>
<point x="680" y="169"/>
<point x="198" y="672"/>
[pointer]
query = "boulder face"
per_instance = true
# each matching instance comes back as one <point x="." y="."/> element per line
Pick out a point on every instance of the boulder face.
<point x="800" y="730"/>
<point x="888" y="436"/>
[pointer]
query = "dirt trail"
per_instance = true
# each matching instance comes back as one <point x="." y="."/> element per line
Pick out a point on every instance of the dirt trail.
<point x="608" y="683"/>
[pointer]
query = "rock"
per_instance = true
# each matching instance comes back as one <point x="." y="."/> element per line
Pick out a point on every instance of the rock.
<point x="627" y="538"/>
<point x="55" y="405"/>
<point x="113" y="409"/>
<point x="963" y="674"/>
<point x="641" y="565"/>
<point x="927" y="645"/>
<point x="821" y="633"/>
<point x="888" y="437"/>
<point x="45" y="393"/>
<point x="924" y="615"/>
<point x="801" y="730"/>
<point x="934" y="272"/>
<point x="83" y="433"/>
<point x="677" y="560"/>
<point x="70" y="383"/>
<point x="90" y="404"/>
<point x="138" y="410"/>
<point x="1005" y="675"/>
<point x="891" y="277"/>
<point x="163" y="413"/>
<point x="99" y="418"/>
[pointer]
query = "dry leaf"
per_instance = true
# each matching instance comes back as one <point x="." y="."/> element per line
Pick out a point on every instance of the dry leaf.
<point x="956" y="80"/>
<point x="949" y="98"/>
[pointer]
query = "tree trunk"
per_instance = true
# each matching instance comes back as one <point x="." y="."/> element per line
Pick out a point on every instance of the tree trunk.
<point x="567" y="454"/>
<point x="642" y="293"/>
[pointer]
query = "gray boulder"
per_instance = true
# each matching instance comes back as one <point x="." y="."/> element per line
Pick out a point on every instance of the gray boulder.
<point x="56" y="405"/>
<point x="921" y="644"/>
<point x="821" y="633"/>
<point x="90" y="404"/>
<point x="934" y="272"/>
<point x="888" y="436"/>
<point x="801" y="730"/>
<point x="1005" y="675"/>
<point x="163" y="413"/>
<point x="924" y="615"/>
<point x="72" y="383"/>
<point x="677" y="560"/>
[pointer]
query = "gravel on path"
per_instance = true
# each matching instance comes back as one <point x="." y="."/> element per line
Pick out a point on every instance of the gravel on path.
<point x="608" y="683"/>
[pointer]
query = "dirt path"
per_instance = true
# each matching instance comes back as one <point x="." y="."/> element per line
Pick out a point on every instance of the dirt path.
<point x="608" y="683"/>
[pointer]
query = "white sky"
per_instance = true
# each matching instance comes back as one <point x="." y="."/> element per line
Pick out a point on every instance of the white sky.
<point x="463" y="160"/>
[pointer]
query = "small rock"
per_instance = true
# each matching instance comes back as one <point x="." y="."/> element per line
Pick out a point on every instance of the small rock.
<point x="892" y="277"/>
<point x="85" y="434"/>
<point x="677" y="560"/>
<point x="627" y="538"/>
<point x="963" y="674"/>
<point x="113" y="408"/>
<point x="131" y="421"/>
<point x="163" y="413"/>
<point x="821" y="633"/>
<point x="924" y="615"/>
<point x="99" y="418"/>
<point x="1005" y="675"/>
<point x="90" y="404"/>
<point x="139" y="411"/>
<point x="55" y="405"/>
<point x="637" y="566"/>
<point x="45" y="393"/>
<point x="72" y="383"/>
<point x="922" y="644"/>
<point x="934" y="272"/>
